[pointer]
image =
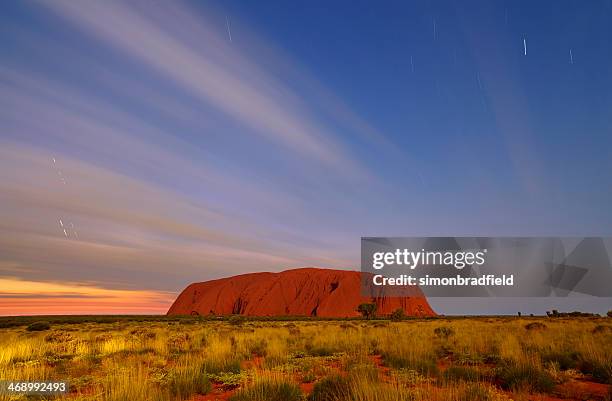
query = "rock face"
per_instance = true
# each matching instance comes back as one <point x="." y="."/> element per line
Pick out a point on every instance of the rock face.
<point x="298" y="292"/>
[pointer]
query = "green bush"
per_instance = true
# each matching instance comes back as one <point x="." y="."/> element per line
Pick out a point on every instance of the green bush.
<point x="368" y="310"/>
<point x="398" y="315"/>
<point x="38" y="326"/>
<point x="443" y="332"/>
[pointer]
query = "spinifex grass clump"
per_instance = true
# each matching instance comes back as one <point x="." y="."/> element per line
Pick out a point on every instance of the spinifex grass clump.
<point x="187" y="378"/>
<point x="525" y="375"/>
<point x="218" y="366"/>
<point x="332" y="388"/>
<point x="355" y="387"/>
<point x="535" y="326"/>
<point x="269" y="388"/>
<point x="423" y="366"/>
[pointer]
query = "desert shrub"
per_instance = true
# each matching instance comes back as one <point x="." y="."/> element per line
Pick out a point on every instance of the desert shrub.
<point x="58" y="337"/>
<point x="609" y="313"/>
<point x="38" y="326"/>
<point x="103" y="337"/>
<point x="143" y="334"/>
<point x="268" y="389"/>
<point x="228" y="380"/>
<point x="367" y="310"/>
<point x="178" y="341"/>
<point x="516" y="376"/>
<point x="398" y="315"/>
<point x="331" y="388"/>
<point x="443" y="332"/>
<point x="535" y="326"/>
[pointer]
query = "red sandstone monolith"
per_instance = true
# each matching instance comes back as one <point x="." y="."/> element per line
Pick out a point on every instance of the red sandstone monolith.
<point x="298" y="292"/>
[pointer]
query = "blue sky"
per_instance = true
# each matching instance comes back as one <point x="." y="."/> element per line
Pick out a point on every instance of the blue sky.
<point x="184" y="155"/>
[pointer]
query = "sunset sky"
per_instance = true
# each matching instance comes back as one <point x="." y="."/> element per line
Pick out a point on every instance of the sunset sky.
<point x="147" y="145"/>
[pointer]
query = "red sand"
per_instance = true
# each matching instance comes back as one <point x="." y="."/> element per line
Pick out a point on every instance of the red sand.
<point x="298" y="292"/>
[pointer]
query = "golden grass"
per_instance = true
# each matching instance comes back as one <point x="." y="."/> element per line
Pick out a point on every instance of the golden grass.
<point x="432" y="359"/>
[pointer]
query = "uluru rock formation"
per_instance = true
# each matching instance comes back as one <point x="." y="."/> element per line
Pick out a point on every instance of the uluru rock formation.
<point x="298" y="292"/>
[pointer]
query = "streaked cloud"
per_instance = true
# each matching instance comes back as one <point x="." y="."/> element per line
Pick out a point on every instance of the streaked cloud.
<point x="207" y="69"/>
<point x="128" y="229"/>
<point x="43" y="298"/>
<point x="183" y="157"/>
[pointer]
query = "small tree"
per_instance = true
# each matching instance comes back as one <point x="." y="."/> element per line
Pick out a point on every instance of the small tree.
<point x="398" y="315"/>
<point x="367" y="310"/>
<point x="610" y="313"/>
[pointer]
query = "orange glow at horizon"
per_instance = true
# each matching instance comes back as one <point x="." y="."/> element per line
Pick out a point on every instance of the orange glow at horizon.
<point x="20" y="297"/>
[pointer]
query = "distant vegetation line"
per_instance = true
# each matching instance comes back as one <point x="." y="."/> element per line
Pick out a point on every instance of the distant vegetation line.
<point x="16" y="321"/>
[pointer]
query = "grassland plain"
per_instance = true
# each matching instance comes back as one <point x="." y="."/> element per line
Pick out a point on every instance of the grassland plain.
<point x="173" y="358"/>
